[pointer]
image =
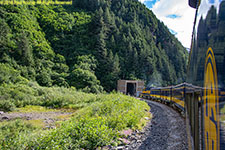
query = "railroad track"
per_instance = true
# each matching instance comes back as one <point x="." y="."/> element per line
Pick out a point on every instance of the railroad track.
<point x="166" y="131"/>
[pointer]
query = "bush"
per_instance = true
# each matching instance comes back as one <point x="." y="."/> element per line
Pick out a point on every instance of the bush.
<point x="120" y="111"/>
<point x="95" y="125"/>
<point x="9" y="75"/>
<point x="44" y="79"/>
<point x="33" y="94"/>
<point x="15" y="134"/>
<point x="87" y="133"/>
<point x="85" y="79"/>
<point x="7" y="105"/>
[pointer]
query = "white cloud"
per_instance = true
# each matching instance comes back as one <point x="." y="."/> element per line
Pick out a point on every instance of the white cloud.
<point x="142" y="1"/>
<point x="183" y="24"/>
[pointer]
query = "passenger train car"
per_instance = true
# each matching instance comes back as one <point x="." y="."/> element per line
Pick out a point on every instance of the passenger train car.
<point x="202" y="98"/>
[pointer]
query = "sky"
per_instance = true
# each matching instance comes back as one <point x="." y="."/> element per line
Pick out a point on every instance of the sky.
<point x="176" y="15"/>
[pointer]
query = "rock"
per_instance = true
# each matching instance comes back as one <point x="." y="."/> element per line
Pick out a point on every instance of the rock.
<point x="119" y="148"/>
<point x="5" y="118"/>
<point x="48" y="127"/>
<point x="142" y="132"/>
<point x="132" y="137"/>
<point x="146" y="118"/>
<point x="126" y="132"/>
<point x="28" y="118"/>
<point x="1" y="112"/>
<point x="124" y="141"/>
<point x="105" y="148"/>
<point x="138" y="141"/>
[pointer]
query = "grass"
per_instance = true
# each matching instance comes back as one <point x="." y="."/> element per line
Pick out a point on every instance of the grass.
<point x="31" y="108"/>
<point x="97" y="119"/>
<point x="64" y="117"/>
<point x="39" y="124"/>
<point x="143" y="122"/>
<point x="20" y="95"/>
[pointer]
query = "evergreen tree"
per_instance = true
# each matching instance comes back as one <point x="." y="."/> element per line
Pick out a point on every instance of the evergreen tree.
<point x="55" y="44"/>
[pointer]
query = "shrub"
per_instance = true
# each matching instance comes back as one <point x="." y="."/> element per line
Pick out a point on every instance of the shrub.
<point x="85" y="79"/>
<point x="15" y="134"/>
<point x="9" y="75"/>
<point x="7" y="105"/>
<point x="87" y="133"/>
<point x="33" y="94"/>
<point x="95" y="125"/>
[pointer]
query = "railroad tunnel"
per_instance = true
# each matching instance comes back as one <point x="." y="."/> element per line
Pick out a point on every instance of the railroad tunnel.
<point x="131" y="89"/>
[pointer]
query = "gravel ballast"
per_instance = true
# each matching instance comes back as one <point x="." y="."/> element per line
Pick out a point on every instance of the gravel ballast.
<point x="166" y="131"/>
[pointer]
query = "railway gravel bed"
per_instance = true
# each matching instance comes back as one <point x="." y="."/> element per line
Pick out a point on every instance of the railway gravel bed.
<point x="166" y="131"/>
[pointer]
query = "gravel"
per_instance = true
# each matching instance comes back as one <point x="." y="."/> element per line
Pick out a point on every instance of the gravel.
<point x="166" y="131"/>
<point x="48" y="118"/>
<point x="31" y="115"/>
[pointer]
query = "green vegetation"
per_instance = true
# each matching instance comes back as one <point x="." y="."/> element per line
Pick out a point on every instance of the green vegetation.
<point x="32" y="108"/>
<point x="88" y="45"/>
<point x="53" y="57"/>
<point x="95" y="124"/>
<point x="21" y="95"/>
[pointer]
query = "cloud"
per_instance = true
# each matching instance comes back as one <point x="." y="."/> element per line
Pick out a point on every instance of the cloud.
<point x="176" y="15"/>
<point x="173" y="16"/>
<point x="142" y="1"/>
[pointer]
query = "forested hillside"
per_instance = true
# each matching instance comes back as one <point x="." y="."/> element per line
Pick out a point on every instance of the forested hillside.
<point x="88" y="45"/>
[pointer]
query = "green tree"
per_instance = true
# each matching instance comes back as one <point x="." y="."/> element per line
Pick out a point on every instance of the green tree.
<point x="85" y="79"/>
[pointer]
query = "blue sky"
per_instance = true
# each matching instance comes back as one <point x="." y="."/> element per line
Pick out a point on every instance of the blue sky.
<point x="150" y="4"/>
<point x="176" y="15"/>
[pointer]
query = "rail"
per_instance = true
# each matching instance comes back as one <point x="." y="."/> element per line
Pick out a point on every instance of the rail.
<point x="188" y="99"/>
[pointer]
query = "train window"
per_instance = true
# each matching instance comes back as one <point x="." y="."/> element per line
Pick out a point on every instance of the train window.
<point x="148" y="88"/>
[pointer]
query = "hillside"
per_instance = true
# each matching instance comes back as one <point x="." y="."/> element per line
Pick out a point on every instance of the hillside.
<point x="88" y="45"/>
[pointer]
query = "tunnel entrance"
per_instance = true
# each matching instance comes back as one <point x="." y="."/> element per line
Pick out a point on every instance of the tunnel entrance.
<point x="131" y="89"/>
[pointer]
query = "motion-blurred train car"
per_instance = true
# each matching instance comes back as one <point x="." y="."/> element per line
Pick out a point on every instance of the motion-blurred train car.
<point x="202" y="98"/>
<point x="207" y="70"/>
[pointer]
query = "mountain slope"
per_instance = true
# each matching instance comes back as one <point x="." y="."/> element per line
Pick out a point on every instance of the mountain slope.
<point x="89" y="41"/>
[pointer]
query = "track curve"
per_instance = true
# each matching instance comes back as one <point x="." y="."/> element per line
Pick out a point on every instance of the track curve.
<point x="167" y="130"/>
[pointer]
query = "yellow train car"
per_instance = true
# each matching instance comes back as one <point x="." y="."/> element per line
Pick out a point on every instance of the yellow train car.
<point x="202" y="98"/>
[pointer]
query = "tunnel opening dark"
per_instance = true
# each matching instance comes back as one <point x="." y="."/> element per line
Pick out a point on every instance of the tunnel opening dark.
<point x="131" y="89"/>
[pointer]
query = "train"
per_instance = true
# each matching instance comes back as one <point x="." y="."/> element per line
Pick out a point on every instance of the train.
<point x="201" y="98"/>
<point x="172" y="95"/>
